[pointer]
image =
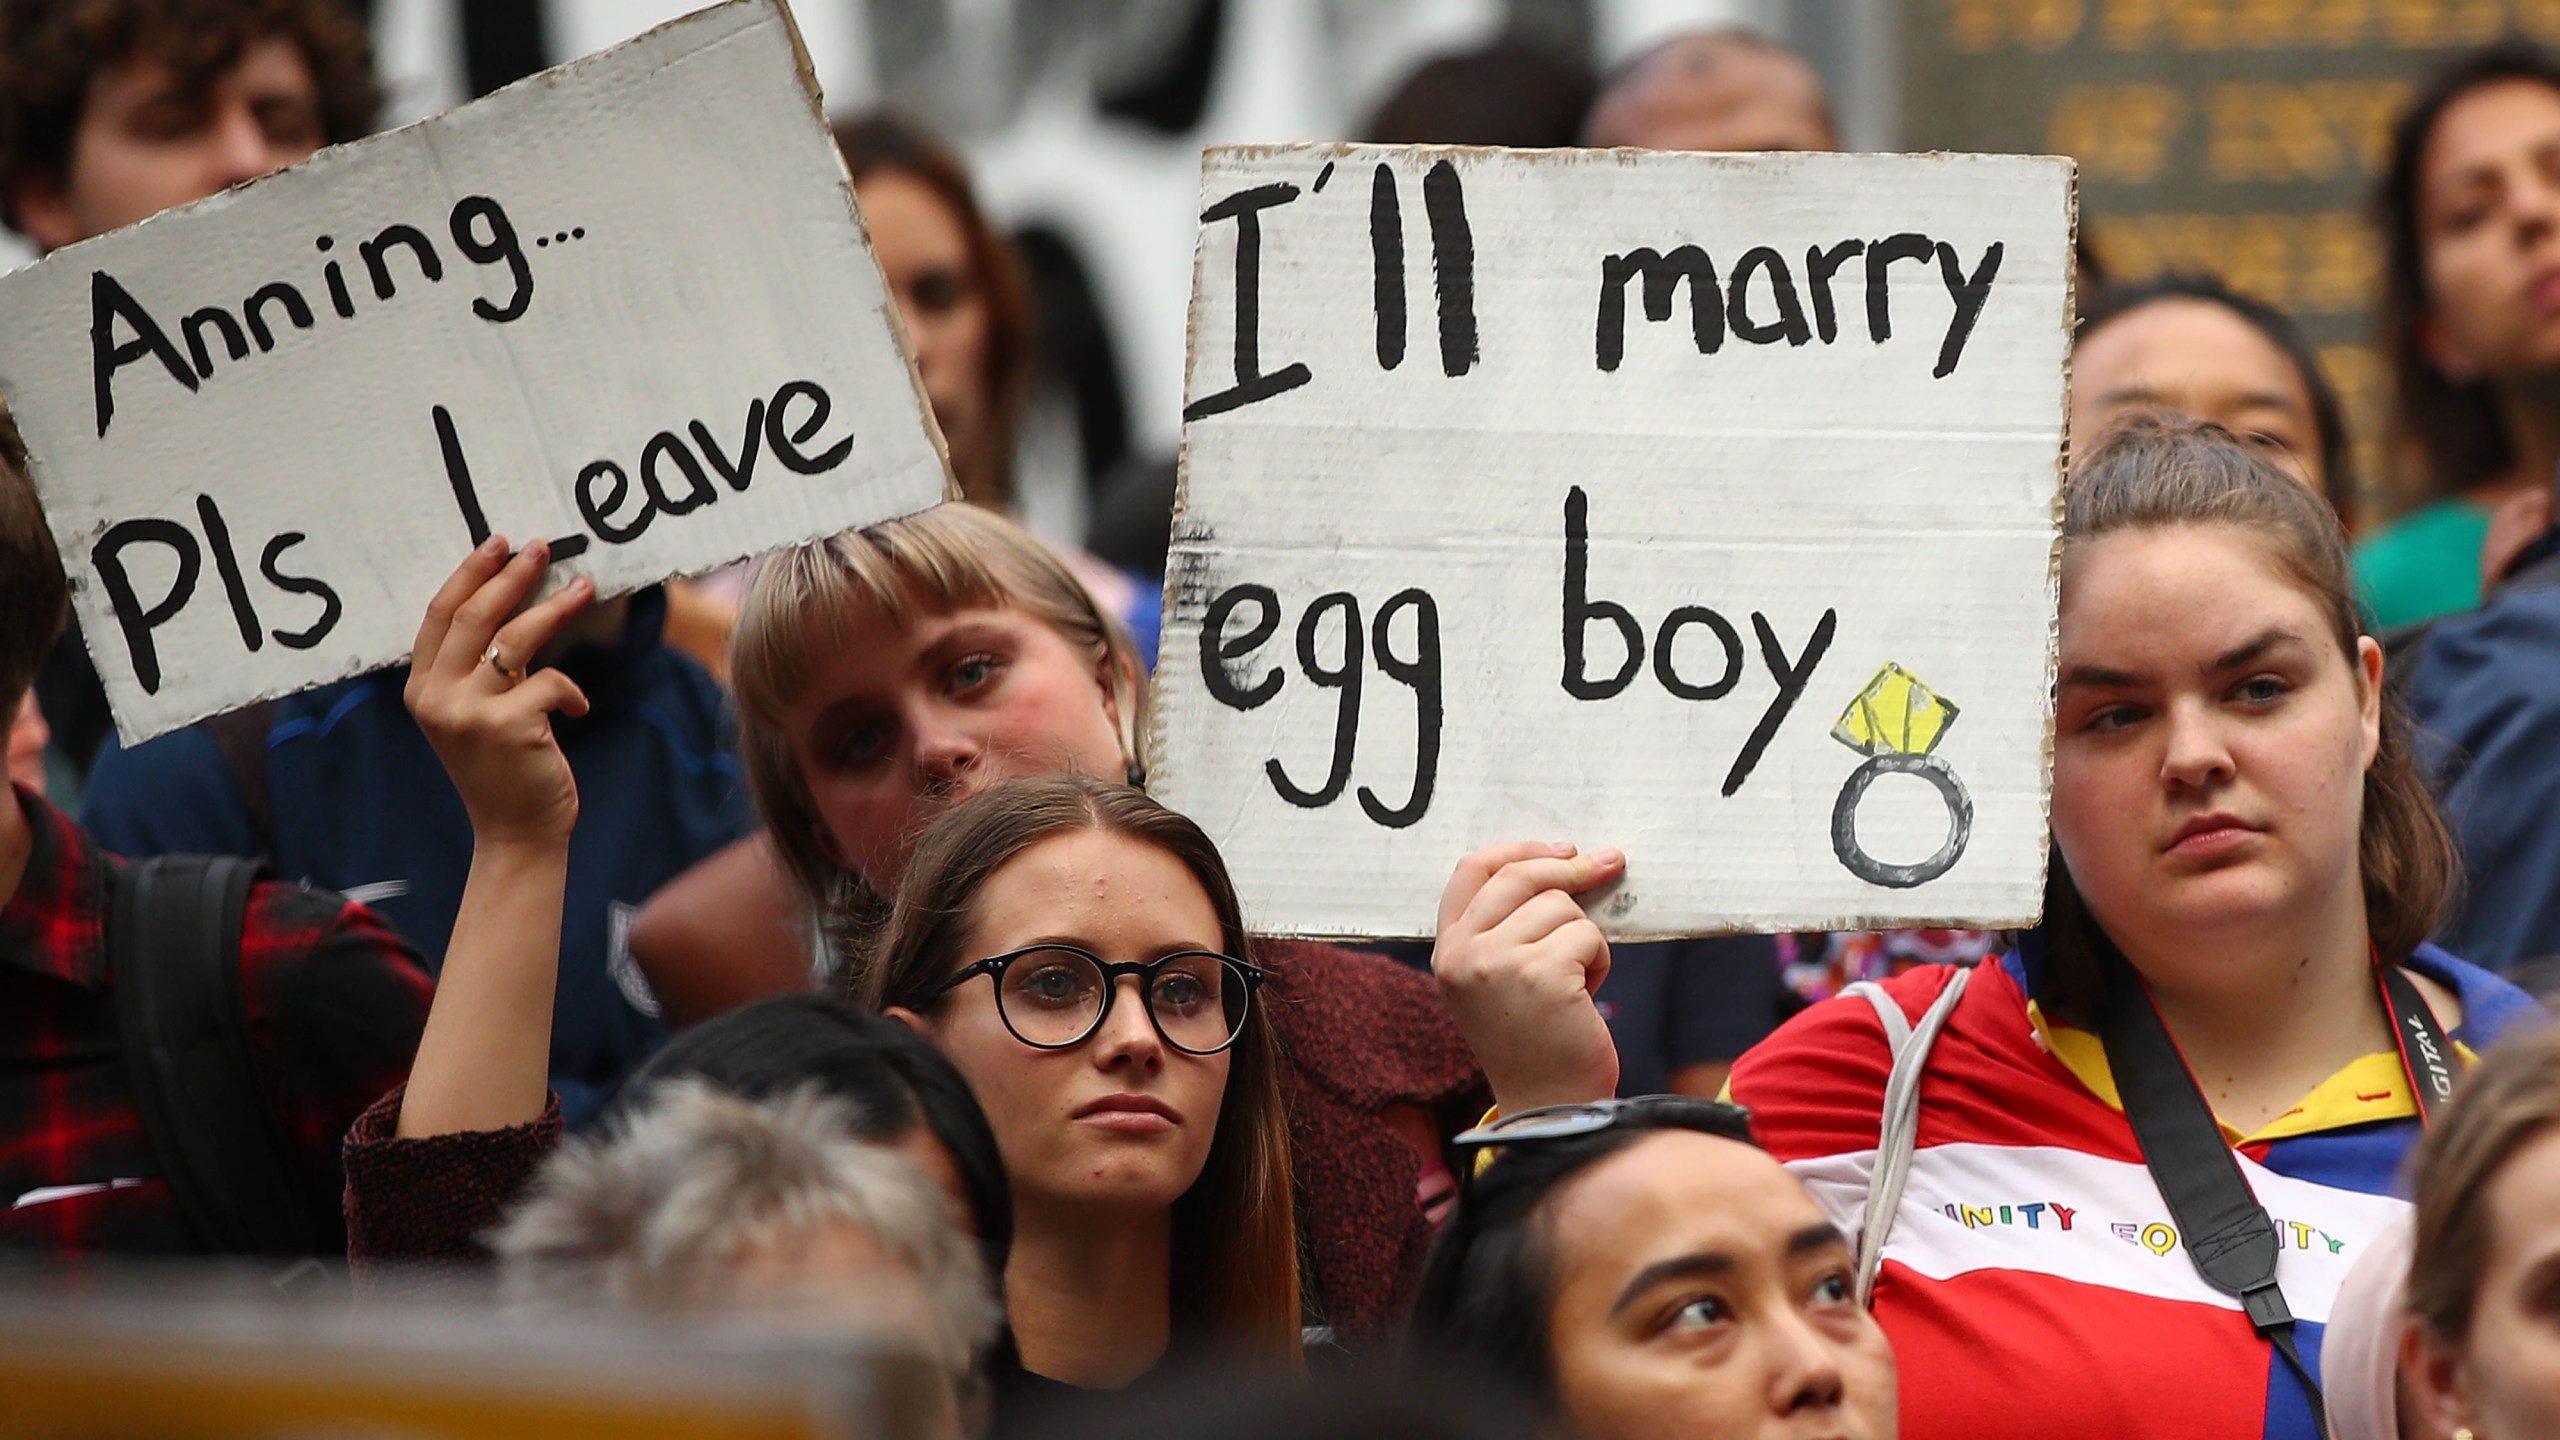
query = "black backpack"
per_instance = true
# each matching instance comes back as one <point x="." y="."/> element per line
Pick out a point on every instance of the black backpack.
<point x="173" y="950"/>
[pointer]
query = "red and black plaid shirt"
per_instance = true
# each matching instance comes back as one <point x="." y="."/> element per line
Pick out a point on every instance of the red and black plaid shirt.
<point x="335" y="1001"/>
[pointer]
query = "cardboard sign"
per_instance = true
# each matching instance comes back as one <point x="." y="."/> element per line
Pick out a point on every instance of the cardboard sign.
<point x="625" y="305"/>
<point x="1702" y="506"/>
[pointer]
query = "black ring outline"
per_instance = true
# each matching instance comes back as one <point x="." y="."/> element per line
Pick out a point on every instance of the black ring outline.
<point x="1844" y="821"/>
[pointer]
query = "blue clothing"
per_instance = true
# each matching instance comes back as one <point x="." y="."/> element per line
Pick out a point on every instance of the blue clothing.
<point x="1676" y="1003"/>
<point x="362" y="806"/>
<point x="2486" y="697"/>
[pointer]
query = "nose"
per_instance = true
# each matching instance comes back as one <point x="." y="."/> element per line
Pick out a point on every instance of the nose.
<point x="945" y="754"/>
<point x="2195" y="754"/>
<point x="238" y="149"/>
<point x="1804" y="1367"/>
<point x="1128" y="1038"/>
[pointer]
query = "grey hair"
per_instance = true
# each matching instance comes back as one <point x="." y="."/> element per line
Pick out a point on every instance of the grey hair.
<point x="655" y="1212"/>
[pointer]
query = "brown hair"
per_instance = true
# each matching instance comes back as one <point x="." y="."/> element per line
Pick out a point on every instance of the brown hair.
<point x="1235" y="1242"/>
<point x="2507" y="1101"/>
<point x="882" y="141"/>
<point x="799" y="616"/>
<point x="51" y="49"/>
<point x="34" y="598"/>
<point x="2454" y="426"/>
<point x="2154" y="474"/>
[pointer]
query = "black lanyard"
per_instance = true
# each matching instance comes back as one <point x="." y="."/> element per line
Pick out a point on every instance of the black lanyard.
<point x="2228" y="1234"/>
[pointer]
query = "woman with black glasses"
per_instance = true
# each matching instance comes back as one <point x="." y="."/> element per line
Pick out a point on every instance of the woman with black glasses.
<point x="1077" y="950"/>
<point x="1639" y="1268"/>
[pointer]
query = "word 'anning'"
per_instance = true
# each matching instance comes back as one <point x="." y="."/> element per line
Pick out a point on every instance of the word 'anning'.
<point x="480" y="230"/>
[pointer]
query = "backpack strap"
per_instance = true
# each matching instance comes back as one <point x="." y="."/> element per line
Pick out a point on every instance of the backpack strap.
<point x="1900" y="1125"/>
<point x="174" y="955"/>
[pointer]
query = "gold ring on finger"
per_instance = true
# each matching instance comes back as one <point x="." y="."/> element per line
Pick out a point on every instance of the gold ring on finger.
<point x="491" y="658"/>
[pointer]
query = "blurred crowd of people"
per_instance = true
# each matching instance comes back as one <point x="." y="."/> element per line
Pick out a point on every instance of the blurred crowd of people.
<point x="798" y="942"/>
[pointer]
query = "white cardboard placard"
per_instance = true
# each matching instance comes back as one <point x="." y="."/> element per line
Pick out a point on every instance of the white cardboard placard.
<point x="625" y="305"/>
<point x="1753" y="579"/>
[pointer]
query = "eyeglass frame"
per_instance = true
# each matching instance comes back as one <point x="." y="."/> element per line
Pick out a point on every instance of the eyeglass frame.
<point x="994" y="966"/>
<point x="1546" y="1123"/>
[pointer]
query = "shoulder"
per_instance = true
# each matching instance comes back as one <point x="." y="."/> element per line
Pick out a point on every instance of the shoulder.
<point x="2491" y="1004"/>
<point x="1816" y="1087"/>
<point x="1363" y="1024"/>
<point x="311" y="953"/>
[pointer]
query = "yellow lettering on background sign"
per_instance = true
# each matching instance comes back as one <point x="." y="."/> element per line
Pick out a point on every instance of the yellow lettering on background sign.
<point x="2117" y="132"/>
<point x="2014" y="24"/>
<point x="2442" y="22"/>
<point x="2324" y="262"/>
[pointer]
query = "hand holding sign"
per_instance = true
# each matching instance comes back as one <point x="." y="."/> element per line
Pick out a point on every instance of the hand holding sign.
<point x="1520" y="963"/>
<point x="486" y="714"/>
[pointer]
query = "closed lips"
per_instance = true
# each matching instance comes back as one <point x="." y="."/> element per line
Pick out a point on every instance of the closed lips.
<point x="2206" y="825"/>
<point x="1129" y="1104"/>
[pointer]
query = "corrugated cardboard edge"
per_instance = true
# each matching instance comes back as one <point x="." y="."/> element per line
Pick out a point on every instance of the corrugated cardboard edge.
<point x="1175" y="576"/>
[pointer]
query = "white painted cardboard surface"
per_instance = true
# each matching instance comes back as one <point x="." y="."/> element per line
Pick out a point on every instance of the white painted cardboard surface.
<point x="1787" y="481"/>
<point x="688" y="232"/>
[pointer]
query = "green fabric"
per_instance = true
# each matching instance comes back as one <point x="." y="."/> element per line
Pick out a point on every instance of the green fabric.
<point x="2424" y="564"/>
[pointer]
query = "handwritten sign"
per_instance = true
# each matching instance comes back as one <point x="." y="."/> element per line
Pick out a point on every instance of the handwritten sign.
<point x="625" y="305"/>
<point x="1703" y="506"/>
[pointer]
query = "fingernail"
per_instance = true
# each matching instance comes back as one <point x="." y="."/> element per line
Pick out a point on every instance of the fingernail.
<point x="1559" y="847"/>
<point x="1610" y="857"/>
<point x="494" y="545"/>
<point x="539" y="549"/>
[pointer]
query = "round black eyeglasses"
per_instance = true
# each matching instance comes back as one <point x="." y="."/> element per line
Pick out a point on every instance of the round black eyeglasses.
<point x="1053" y="997"/>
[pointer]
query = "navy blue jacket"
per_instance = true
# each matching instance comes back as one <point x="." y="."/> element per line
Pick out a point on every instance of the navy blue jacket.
<point x="362" y="806"/>
<point x="2486" y="697"/>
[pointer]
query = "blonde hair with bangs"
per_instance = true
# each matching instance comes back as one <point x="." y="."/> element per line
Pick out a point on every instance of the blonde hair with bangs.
<point x="801" y="614"/>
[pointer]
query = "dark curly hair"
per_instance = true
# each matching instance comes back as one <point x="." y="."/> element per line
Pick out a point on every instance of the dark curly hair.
<point x="50" y="49"/>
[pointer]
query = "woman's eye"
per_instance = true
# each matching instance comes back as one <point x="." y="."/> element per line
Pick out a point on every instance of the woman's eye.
<point x="1182" y="992"/>
<point x="2260" y="690"/>
<point x="972" y="672"/>
<point x="1834" y="1290"/>
<point x="861" y="743"/>
<point x="1056" y="984"/>
<point x="2111" y="719"/>
<point x="936" y="291"/>
<point x="1700" y="1313"/>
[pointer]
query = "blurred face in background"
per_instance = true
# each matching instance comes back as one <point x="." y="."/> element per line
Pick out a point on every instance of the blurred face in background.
<point x="2200" y="360"/>
<point x="2489" y="228"/>
<point x="925" y="256"/>
<point x="2504" y="1377"/>
<point x="1714" y="93"/>
<point x="147" y="141"/>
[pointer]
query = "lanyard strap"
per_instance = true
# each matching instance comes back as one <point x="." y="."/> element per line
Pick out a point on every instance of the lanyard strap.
<point x="2228" y="1234"/>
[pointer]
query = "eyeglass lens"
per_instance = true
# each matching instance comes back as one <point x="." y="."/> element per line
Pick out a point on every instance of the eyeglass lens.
<point x="1056" y="997"/>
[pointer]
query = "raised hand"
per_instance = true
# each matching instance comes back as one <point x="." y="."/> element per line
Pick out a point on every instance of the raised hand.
<point x="488" y="719"/>
<point x="1519" y="962"/>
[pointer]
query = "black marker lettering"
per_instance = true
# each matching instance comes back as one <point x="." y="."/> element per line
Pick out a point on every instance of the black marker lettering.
<point x="336" y="278"/>
<point x="598" y="513"/>
<point x="1386" y="261"/>
<point x="109" y="301"/>
<point x="1216" y="650"/>
<point x="1579" y="610"/>
<point x="457" y="473"/>
<point x="226" y="563"/>
<point x="1662" y="276"/>
<point x="409" y="236"/>
<point x="330" y="606"/>
<point x="1420" y="672"/>
<point x="1792" y="677"/>
<point x="296" y="309"/>
<point x="1819" y="266"/>
<point x="1880" y="257"/>
<point x="217" y="319"/>
<point x="1453" y="266"/>
<point x="750" y="444"/>
<point x="137" y="621"/>
<point x="1668" y="673"/>
<point x="1969" y="293"/>
<point x="1789" y="326"/>
<point x="668" y="447"/>
<point x="1252" y="386"/>
<point x="1345" y="678"/>
<point x="501" y="245"/>
<point x="784" y="438"/>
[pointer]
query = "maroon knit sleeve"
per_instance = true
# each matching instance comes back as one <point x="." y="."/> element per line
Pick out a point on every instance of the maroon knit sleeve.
<point x="420" y="1207"/>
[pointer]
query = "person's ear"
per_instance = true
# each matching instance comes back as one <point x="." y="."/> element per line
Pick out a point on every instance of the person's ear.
<point x="42" y="204"/>
<point x="2369" y="694"/>
<point x="908" y="1018"/>
<point x="2434" y="1373"/>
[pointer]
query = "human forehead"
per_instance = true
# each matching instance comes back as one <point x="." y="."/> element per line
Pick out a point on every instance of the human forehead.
<point x="2168" y="591"/>
<point x="2483" y="127"/>
<point x="1096" y="887"/>
<point x="1675" y="1193"/>
<point x="916" y="215"/>
<point x="2524" y="1205"/>
<point x="2179" y="342"/>
<point x="878" y="644"/>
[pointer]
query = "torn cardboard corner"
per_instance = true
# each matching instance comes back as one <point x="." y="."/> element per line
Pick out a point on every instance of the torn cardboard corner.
<point x="624" y="305"/>
<point x="1700" y="506"/>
